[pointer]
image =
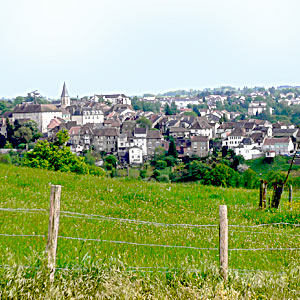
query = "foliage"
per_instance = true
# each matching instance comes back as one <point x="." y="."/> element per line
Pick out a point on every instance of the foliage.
<point x="221" y="175"/>
<point x="96" y="171"/>
<point x="5" y="159"/>
<point x="143" y="174"/>
<point x="160" y="164"/>
<point x="145" y="105"/>
<point x="2" y="140"/>
<point x="250" y="179"/>
<point x="172" y="149"/>
<point x="163" y="178"/>
<point x="144" y="122"/>
<point x="22" y="133"/>
<point x="55" y="156"/>
<point x="61" y="137"/>
<point x="110" y="162"/>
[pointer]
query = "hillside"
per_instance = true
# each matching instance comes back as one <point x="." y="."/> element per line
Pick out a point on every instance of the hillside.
<point x="280" y="163"/>
<point x="147" y="201"/>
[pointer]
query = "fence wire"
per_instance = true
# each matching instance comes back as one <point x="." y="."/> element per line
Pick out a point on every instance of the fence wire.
<point x="70" y="214"/>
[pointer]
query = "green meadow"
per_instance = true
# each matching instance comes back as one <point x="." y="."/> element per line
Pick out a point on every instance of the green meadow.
<point x="122" y="198"/>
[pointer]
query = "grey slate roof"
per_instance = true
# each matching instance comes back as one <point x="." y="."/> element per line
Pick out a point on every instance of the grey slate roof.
<point x="35" y="108"/>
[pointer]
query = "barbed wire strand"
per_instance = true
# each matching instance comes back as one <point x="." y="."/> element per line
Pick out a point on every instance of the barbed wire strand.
<point x="136" y="244"/>
<point x="22" y="235"/>
<point x="261" y="232"/>
<point x="95" y="217"/>
<point x="98" y="217"/>
<point x="267" y="224"/>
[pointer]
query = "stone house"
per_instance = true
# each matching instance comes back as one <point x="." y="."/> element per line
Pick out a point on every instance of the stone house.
<point x="105" y="139"/>
<point x="154" y="140"/>
<point x="199" y="146"/>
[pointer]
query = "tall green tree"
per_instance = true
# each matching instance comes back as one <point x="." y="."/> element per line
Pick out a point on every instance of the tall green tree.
<point x="172" y="149"/>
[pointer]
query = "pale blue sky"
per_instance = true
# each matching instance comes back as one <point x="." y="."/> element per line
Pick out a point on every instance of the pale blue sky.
<point x="140" y="46"/>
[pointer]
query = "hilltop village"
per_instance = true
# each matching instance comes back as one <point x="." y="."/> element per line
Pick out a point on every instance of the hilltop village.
<point x="133" y="128"/>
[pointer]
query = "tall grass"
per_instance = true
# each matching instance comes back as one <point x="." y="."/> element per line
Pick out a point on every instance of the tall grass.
<point x="148" y="201"/>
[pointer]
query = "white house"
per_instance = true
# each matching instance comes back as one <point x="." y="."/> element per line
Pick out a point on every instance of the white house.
<point x="140" y="139"/>
<point x="116" y="99"/>
<point x="281" y="146"/>
<point x="257" y="107"/>
<point x="135" y="155"/>
<point x="248" y="149"/>
<point x="201" y="127"/>
<point x="235" y="138"/>
<point x="88" y="115"/>
<point x="42" y="114"/>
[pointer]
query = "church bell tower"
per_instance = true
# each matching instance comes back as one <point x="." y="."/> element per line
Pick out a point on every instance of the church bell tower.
<point x="65" y="98"/>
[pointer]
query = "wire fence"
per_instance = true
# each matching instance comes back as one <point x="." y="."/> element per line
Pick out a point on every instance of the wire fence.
<point x="71" y="214"/>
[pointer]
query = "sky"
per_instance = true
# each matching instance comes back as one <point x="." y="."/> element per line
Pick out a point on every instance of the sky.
<point x="146" y="46"/>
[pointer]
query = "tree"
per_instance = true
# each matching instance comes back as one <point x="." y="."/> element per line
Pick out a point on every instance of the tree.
<point x="22" y="133"/>
<point x="2" y="140"/>
<point x="172" y="149"/>
<point x="144" y="122"/>
<point x="61" y="137"/>
<point x="190" y="113"/>
<point x="222" y="175"/>
<point x="168" y="110"/>
<point x="57" y="157"/>
<point x="174" y="108"/>
<point x="110" y="160"/>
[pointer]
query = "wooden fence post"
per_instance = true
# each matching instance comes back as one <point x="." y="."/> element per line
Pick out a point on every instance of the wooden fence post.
<point x="53" y="228"/>
<point x="265" y="194"/>
<point x="223" y="241"/>
<point x="291" y="197"/>
<point x="261" y="194"/>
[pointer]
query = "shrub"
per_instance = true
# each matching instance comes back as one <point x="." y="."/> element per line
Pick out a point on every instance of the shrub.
<point x="156" y="174"/>
<point x="143" y="174"/>
<point x="250" y="179"/>
<point x="160" y="164"/>
<point x="5" y="159"/>
<point x="97" y="171"/>
<point x="163" y="178"/>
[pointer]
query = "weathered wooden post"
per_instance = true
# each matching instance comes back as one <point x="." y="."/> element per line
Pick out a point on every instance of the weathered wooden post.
<point x="53" y="228"/>
<point x="127" y="171"/>
<point x="291" y="197"/>
<point x="265" y="194"/>
<point x="223" y="241"/>
<point x="261" y="194"/>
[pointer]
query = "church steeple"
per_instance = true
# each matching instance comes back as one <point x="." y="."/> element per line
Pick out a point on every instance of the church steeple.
<point x="65" y="98"/>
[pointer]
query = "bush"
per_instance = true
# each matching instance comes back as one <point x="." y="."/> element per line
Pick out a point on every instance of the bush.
<point x="222" y="175"/>
<point x="160" y="164"/>
<point x="5" y="159"/>
<point x="163" y="178"/>
<point x="275" y="176"/>
<point x="156" y="174"/>
<point x="143" y="174"/>
<point x="250" y="179"/>
<point x="97" y="171"/>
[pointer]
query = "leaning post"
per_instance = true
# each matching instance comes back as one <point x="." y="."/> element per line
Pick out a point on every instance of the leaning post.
<point x="223" y="241"/>
<point x="291" y="197"/>
<point x="54" y="212"/>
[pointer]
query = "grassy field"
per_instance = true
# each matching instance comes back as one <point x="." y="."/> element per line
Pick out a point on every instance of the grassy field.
<point x="147" y="201"/>
<point x="280" y="163"/>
